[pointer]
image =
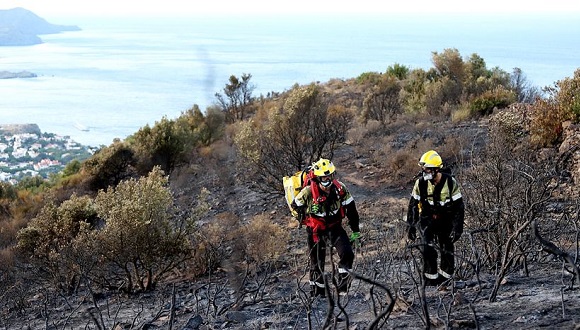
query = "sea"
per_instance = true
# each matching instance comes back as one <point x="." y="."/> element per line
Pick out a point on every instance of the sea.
<point x="119" y="74"/>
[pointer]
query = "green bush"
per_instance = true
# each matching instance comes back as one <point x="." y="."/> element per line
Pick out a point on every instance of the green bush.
<point x="142" y="238"/>
<point x="499" y="98"/>
<point x="49" y="238"/>
<point x="369" y="78"/>
<point x="161" y="145"/>
<point x="109" y="166"/>
<point x="382" y="102"/>
<point x="562" y="104"/>
<point x="399" y="71"/>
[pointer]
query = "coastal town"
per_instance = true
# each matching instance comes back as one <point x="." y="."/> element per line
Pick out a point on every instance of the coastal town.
<point x="25" y="151"/>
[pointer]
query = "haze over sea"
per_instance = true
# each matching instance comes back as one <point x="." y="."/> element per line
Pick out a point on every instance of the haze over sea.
<point x="117" y="75"/>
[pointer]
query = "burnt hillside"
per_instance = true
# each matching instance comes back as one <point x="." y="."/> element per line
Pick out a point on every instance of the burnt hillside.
<point x="244" y="264"/>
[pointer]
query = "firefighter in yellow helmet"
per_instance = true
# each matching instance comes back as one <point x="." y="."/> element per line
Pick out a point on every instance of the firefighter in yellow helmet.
<point x="436" y="208"/>
<point x="324" y="203"/>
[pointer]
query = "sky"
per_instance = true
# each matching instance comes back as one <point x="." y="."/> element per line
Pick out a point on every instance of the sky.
<point x="68" y="8"/>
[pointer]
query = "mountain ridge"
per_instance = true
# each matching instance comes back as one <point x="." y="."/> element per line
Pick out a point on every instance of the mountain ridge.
<point x="21" y="27"/>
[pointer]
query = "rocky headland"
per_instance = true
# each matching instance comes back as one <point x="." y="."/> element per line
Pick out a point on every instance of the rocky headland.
<point x="21" y="27"/>
<point x="12" y="75"/>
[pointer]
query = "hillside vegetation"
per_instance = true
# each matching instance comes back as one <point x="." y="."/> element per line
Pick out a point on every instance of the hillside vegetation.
<point x="184" y="225"/>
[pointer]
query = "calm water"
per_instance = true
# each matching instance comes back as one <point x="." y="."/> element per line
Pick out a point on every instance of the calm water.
<point x="116" y="76"/>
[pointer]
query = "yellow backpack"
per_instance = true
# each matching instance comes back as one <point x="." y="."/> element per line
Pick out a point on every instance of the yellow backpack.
<point x="292" y="186"/>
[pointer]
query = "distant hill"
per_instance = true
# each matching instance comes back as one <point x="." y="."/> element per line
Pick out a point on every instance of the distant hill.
<point x="20" y="129"/>
<point x="21" y="27"/>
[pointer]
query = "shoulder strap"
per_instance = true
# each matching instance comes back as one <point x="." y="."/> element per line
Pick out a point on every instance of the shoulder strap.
<point x="450" y="184"/>
<point x="315" y="192"/>
<point x="437" y="191"/>
<point x="339" y="188"/>
<point x="423" y="189"/>
<point x="306" y="176"/>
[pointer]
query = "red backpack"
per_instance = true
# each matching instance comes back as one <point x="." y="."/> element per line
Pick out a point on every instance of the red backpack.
<point x="295" y="183"/>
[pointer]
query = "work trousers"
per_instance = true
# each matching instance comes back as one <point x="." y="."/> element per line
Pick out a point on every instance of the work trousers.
<point x="436" y="236"/>
<point x="337" y="237"/>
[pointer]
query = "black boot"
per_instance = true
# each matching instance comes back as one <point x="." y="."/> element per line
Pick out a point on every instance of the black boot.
<point x="316" y="291"/>
<point x="434" y="282"/>
<point x="343" y="283"/>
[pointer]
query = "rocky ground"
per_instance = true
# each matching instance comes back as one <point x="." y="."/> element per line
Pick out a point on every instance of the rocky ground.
<point x="385" y="294"/>
<point x="278" y="298"/>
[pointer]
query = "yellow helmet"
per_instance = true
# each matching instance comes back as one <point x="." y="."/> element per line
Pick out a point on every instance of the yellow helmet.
<point x="431" y="159"/>
<point x="323" y="167"/>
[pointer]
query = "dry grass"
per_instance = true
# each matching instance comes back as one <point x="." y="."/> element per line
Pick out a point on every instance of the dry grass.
<point x="250" y="266"/>
<point x="264" y="240"/>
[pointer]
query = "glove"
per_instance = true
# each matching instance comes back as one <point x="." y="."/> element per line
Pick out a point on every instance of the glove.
<point x="355" y="239"/>
<point x="412" y="234"/>
<point x="454" y="236"/>
<point x="301" y="214"/>
<point x="315" y="208"/>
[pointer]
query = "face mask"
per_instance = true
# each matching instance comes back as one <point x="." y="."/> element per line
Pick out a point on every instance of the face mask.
<point x="427" y="176"/>
<point x="326" y="184"/>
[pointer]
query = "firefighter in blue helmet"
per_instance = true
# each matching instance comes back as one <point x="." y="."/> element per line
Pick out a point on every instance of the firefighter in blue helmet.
<point x="324" y="203"/>
<point x="436" y="209"/>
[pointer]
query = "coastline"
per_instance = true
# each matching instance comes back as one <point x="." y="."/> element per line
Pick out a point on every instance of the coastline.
<point x="116" y="76"/>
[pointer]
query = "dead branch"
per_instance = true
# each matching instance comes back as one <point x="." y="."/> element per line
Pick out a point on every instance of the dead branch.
<point x="387" y="311"/>
<point x="553" y="249"/>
